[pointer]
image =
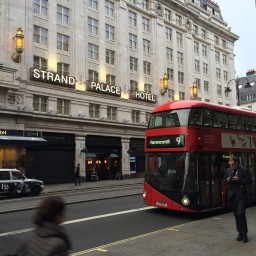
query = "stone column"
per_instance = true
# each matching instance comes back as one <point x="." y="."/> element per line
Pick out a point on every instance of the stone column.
<point x="80" y="156"/>
<point x="125" y="158"/>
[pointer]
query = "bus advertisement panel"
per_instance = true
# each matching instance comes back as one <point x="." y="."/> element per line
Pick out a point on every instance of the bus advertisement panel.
<point x="187" y="146"/>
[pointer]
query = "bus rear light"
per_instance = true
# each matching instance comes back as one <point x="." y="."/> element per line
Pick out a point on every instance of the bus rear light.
<point x="144" y="195"/>
<point x="185" y="201"/>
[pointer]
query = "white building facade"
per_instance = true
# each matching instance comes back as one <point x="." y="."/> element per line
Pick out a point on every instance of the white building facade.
<point x="90" y="73"/>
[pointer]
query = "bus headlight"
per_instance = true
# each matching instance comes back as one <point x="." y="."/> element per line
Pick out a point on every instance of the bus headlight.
<point x="185" y="201"/>
<point x="144" y="194"/>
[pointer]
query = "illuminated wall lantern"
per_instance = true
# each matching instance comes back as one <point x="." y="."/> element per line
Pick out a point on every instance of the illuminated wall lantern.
<point x="165" y="82"/>
<point x="194" y="89"/>
<point x="16" y="57"/>
<point x="105" y="161"/>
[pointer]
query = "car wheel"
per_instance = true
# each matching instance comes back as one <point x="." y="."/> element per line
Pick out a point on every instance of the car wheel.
<point x="35" y="191"/>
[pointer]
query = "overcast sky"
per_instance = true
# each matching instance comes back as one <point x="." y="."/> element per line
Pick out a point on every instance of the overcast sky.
<point x="241" y="17"/>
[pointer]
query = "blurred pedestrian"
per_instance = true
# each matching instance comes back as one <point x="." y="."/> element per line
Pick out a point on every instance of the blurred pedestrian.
<point x="77" y="175"/>
<point x="238" y="178"/>
<point x="49" y="238"/>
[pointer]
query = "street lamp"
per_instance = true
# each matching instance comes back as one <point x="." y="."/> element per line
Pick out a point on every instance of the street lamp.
<point x="247" y="85"/>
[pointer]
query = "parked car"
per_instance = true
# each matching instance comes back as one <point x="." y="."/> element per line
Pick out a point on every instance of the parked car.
<point x="13" y="182"/>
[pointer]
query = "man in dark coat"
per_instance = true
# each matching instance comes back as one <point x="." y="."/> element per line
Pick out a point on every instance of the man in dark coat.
<point x="238" y="178"/>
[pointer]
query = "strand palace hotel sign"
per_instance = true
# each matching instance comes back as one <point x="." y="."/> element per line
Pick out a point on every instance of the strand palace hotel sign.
<point x="94" y="86"/>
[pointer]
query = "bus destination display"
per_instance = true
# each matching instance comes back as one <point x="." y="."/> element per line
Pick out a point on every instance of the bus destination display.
<point x="171" y="141"/>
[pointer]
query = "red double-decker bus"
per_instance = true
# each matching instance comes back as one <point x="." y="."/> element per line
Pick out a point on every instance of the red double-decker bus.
<point x="187" y="146"/>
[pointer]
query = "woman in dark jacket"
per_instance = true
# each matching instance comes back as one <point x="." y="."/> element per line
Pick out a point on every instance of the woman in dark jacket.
<point x="49" y="238"/>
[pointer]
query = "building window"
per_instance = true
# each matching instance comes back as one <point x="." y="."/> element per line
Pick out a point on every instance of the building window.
<point x="40" y="35"/>
<point x="249" y="97"/>
<point x="147" y="88"/>
<point x="63" y="106"/>
<point x="197" y="66"/>
<point x="145" y="24"/>
<point x="179" y="38"/>
<point x="203" y="34"/>
<point x="225" y="76"/>
<point x="93" y="4"/>
<point x="40" y="7"/>
<point x="110" y="79"/>
<point x="170" y="74"/>
<point x="40" y="103"/>
<point x="145" y="4"/>
<point x="168" y="33"/>
<point x="94" y="110"/>
<point x="62" y="42"/>
<point x="205" y="68"/>
<point x="206" y="86"/>
<point x="135" y="116"/>
<point x="147" y="116"/>
<point x="169" y="54"/>
<point x="109" y="8"/>
<point x="198" y="82"/>
<point x="217" y="73"/>
<point x="109" y="32"/>
<point x="132" y="41"/>
<point x="146" y="46"/>
<point x="224" y="59"/>
<point x="110" y="57"/>
<point x="168" y="15"/>
<point x="216" y="40"/>
<point x="93" y="75"/>
<point x="171" y="94"/>
<point x="63" y="68"/>
<point x="219" y="90"/>
<point x="196" y="47"/>
<point x="180" y="77"/>
<point x="93" y="26"/>
<point x="133" y="64"/>
<point x="3" y="93"/>
<point x="180" y="58"/>
<point x="217" y="56"/>
<point x="40" y="63"/>
<point x="132" y="19"/>
<point x="147" y="68"/>
<point x="133" y="86"/>
<point x="62" y="14"/>
<point x="93" y="52"/>
<point x="204" y="50"/>
<point x="224" y="44"/>
<point x="178" y="20"/>
<point x="181" y="95"/>
<point x="111" y="113"/>
<point x="196" y="30"/>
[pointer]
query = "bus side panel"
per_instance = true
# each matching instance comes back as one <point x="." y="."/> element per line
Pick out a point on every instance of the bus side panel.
<point x="154" y="198"/>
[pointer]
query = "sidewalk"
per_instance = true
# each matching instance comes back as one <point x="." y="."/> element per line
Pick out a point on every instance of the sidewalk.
<point x="214" y="236"/>
<point x="90" y="185"/>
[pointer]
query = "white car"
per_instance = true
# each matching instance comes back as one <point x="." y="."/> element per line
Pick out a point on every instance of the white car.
<point x="13" y="182"/>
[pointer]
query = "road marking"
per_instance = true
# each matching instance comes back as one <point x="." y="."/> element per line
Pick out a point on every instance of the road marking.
<point x="108" y="215"/>
<point x="81" y="220"/>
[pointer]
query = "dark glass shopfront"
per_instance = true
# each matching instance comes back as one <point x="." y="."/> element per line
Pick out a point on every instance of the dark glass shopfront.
<point x="103" y="157"/>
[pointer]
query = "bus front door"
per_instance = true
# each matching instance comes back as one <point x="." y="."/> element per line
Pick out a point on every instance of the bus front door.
<point x="210" y="181"/>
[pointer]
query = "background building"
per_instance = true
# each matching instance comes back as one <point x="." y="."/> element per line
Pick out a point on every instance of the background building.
<point x="89" y="73"/>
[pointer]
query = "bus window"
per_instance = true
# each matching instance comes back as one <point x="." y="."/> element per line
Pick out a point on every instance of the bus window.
<point x="207" y="119"/>
<point x="173" y="118"/>
<point x="220" y="120"/>
<point x="195" y="118"/>
<point x="235" y="122"/>
<point x="248" y="121"/>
